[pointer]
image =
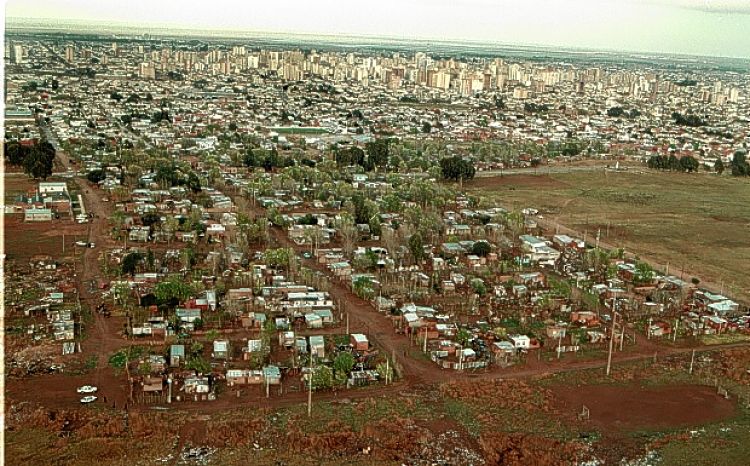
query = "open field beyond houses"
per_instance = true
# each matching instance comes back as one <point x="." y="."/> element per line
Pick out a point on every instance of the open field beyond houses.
<point x="700" y="222"/>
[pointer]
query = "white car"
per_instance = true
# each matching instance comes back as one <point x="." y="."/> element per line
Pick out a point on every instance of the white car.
<point x="88" y="399"/>
<point x="87" y="389"/>
<point x="82" y="244"/>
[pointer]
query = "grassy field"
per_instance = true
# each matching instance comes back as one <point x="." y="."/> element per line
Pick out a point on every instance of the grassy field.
<point x="696" y="222"/>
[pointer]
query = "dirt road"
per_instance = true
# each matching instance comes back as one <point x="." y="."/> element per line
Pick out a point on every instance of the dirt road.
<point x="104" y="334"/>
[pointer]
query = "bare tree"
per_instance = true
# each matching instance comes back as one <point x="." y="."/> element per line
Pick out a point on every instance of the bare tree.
<point x="348" y="231"/>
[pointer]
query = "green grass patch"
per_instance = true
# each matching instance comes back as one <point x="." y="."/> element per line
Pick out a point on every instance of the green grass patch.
<point x="723" y="444"/>
<point x="464" y="414"/>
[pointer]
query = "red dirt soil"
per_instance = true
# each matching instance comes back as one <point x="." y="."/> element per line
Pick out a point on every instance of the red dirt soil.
<point x="632" y="407"/>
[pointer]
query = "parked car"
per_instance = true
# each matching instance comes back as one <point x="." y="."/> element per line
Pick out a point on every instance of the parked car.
<point x="87" y="389"/>
<point x="88" y="399"/>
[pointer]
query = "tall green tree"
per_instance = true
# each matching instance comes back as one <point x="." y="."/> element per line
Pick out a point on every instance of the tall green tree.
<point x="688" y="163"/>
<point x="416" y="247"/>
<point x="342" y="365"/>
<point x="456" y="168"/>
<point x="377" y="152"/>
<point x="719" y="166"/>
<point x="739" y="164"/>
<point x="322" y="378"/>
<point x="173" y="291"/>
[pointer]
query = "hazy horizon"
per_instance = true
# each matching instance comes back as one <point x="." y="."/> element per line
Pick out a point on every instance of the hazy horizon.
<point x="684" y="27"/>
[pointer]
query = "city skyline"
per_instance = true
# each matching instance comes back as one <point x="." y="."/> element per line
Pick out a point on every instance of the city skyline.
<point x="665" y="26"/>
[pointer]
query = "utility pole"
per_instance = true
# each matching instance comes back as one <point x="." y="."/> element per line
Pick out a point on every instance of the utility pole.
<point x="309" y="391"/>
<point x="692" y="360"/>
<point x="598" y="234"/>
<point x="611" y="341"/>
<point x="387" y="369"/>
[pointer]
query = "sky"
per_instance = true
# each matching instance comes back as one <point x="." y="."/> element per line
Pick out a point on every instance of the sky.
<point x="697" y="27"/>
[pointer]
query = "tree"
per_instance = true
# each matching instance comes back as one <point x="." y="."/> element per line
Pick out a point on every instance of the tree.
<point x="171" y="225"/>
<point x="130" y="263"/>
<point x="348" y="231"/>
<point x="173" y="291"/>
<point x="144" y="368"/>
<point x="95" y="176"/>
<point x="657" y="162"/>
<point x="673" y="163"/>
<point x="120" y="292"/>
<point x="349" y="156"/>
<point x="463" y="337"/>
<point x="644" y="274"/>
<point x="377" y="152"/>
<point x="688" y="120"/>
<point x="426" y="127"/>
<point x="362" y="287"/>
<point x="196" y="349"/>
<point x="322" y="378"/>
<point x="161" y="115"/>
<point x="689" y="163"/>
<point x="481" y="248"/>
<point x="478" y="286"/>
<point x="199" y="365"/>
<point x="150" y="259"/>
<point x="416" y="247"/>
<point x="38" y="162"/>
<point x="385" y="371"/>
<point x="342" y="365"/>
<point x="150" y="218"/>
<point x="739" y="164"/>
<point x="279" y="258"/>
<point x="456" y="168"/>
<point x="15" y="153"/>
<point x="364" y="209"/>
<point x="719" y="166"/>
<point x="615" y="112"/>
<point x="193" y="182"/>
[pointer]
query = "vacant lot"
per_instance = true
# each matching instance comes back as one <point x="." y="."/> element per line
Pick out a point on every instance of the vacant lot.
<point x="633" y="407"/>
<point x="698" y="223"/>
<point x="18" y="184"/>
<point x="24" y="240"/>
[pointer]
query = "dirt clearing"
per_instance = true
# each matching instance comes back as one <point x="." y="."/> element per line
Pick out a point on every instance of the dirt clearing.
<point x="635" y="407"/>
